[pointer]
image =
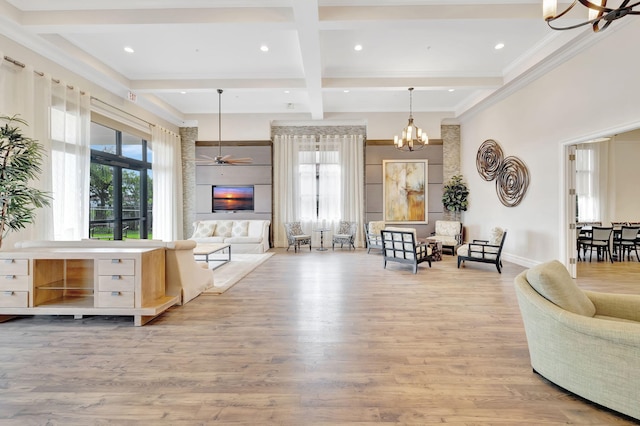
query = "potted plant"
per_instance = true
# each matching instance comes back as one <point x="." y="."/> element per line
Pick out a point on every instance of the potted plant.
<point x="455" y="196"/>
<point x="20" y="160"/>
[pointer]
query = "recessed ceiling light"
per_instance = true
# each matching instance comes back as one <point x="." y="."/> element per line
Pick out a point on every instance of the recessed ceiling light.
<point x="346" y="90"/>
<point x="452" y="90"/>
<point x="264" y="48"/>
<point x="287" y="92"/>
<point x="183" y="92"/>
<point x="499" y="46"/>
<point x="129" y="49"/>
<point x="357" y="47"/>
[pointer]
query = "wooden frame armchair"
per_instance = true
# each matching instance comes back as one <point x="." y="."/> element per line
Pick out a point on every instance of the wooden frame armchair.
<point x="448" y="233"/>
<point x="372" y="232"/>
<point x="484" y="251"/>
<point x="399" y="245"/>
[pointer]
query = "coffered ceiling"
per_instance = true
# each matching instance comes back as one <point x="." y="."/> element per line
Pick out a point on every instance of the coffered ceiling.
<point x="183" y="50"/>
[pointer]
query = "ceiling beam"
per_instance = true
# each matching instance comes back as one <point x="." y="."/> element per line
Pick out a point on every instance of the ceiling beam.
<point x="308" y="26"/>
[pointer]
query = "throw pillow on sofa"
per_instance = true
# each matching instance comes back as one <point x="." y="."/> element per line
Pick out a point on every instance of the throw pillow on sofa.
<point x="204" y="229"/>
<point x="240" y="228"/>
<point x="223" y="228"/>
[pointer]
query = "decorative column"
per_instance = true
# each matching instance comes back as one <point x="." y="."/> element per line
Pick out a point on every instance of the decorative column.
<point x="188" y="136"/>
<point x="450" y="134"/>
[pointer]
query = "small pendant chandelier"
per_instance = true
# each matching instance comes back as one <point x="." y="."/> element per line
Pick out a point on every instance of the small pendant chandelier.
<point x="413" y="138"/>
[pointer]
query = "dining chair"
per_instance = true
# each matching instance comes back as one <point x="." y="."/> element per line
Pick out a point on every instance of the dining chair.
<point x="601" y="241"/>
<point x="627" y="241"/>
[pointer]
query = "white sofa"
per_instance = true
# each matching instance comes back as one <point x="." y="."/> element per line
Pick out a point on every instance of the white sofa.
<point x="183" y="275"/>
<point x="244" y="236"/>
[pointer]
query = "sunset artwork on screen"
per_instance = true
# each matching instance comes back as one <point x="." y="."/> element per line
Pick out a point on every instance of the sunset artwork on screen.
<point x="232" y="198"/>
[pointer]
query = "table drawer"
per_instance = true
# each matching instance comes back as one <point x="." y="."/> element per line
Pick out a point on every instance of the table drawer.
<point x="116" y="267"/>
<point x="115" y="299"/>
<point x="14" y="267"/>
<point x="116" y="283"/>
<point x="14" y="299"/>
<point x="14" y="282"/>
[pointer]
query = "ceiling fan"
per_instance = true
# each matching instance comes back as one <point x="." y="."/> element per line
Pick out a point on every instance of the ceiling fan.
<point x="223" y="159"/>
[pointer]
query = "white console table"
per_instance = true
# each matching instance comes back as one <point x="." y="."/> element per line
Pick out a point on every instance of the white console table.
<point x="91" y="281"/>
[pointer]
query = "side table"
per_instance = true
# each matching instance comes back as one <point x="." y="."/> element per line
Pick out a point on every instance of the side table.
<point x="321" y="231"/>
<point x="436" y="251"/>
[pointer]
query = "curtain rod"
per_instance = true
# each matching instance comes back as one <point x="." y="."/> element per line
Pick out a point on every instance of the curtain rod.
<point x="93" y="98"/>
<point x="41" y="74"/>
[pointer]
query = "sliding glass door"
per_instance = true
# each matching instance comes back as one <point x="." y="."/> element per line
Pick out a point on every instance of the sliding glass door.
<point x="121" y="185"/>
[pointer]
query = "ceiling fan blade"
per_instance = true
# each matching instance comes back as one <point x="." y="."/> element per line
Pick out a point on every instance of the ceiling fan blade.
<point x="245" y="160"/>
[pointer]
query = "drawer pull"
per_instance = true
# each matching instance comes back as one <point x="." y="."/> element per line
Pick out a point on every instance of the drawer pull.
<point x="116" y="293"/>
<point x="9" y="293"/>
<point x="116" y="277"/>
<point x="116" y="260"/>
<point x="9" y="261"/>
<point x="10" y="277"/>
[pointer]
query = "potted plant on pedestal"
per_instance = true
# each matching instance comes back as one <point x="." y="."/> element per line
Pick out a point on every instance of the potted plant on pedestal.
<point x="455" y="196"/>
<point x="20" y="161"/>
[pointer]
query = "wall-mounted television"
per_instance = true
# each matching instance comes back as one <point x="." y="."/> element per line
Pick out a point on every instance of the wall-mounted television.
<point x="232" y="198"/>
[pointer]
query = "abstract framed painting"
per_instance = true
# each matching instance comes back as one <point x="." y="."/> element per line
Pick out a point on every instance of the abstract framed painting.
<point x="404" y="191"/>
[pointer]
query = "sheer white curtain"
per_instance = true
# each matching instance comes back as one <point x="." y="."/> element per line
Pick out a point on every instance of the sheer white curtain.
<point x="317" y="182"/>
<point x="286" y="184"/>
<point x="28" y="95"/>
<point x="70" y="161"/>
<point x="351" y="158"/>
<point x="592" y="181"/>
<point x="167" y="184"/>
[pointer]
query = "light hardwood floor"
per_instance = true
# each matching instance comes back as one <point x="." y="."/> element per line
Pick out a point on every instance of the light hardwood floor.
<point x="306" y="339"/>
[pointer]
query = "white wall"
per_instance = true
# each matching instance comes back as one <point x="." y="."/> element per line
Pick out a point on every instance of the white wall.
<point x="593" y="94"/>
<point x="624" y="166"/>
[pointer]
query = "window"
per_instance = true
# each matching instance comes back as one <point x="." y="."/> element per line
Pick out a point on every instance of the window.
<point x="319" y="173"/>
<point x="588" y="183"/>
<point x="120" y="185"/>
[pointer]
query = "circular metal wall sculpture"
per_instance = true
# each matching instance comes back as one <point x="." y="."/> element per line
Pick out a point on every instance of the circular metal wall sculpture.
<point x="512" y="181"/>
<point x="489" y="159"/>
<point x="511" y="174"/>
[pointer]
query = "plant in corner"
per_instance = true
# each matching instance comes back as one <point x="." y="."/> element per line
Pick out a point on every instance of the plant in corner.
<point x="455" y="196"/>
<point x="20" y="161"/>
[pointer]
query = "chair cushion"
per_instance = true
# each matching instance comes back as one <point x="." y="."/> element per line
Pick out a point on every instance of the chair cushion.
<point x="376" y="226"/>
<point x="204" y="229"/>
<point x="344" y="227"/>
<point x="496" y="236"/>
<point x="295" y="228"/>
<point x="398" y="229"/>
<point x="447" y="228"/>
<point x="553" y="282"/>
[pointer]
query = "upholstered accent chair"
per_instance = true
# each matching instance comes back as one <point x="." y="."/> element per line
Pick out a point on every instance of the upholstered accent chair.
<point x="401" y="245"/>
<point x="346" y="235"/>
<point x="296" y="237"/>
<point x="484" y="251"/>
<point x="586" y="342"/>
<point x="448" y="233"/>
<point x="372" y="231"/>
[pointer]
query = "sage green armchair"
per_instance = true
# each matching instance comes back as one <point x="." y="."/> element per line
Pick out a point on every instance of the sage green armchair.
<point x="583" y="341"/>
